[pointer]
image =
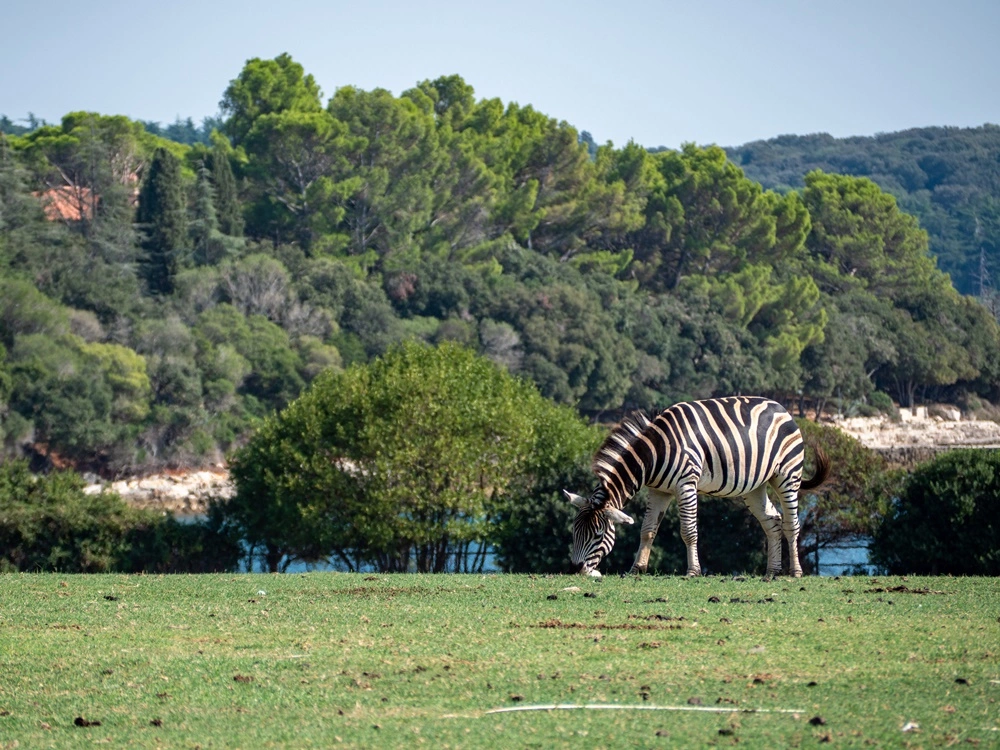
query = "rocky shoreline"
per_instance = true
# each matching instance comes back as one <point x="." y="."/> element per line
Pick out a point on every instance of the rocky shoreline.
<point x="920" y="436"/>
<point x="180" y="493"/>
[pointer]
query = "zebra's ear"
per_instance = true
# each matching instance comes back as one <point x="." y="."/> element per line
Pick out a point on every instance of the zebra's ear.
<point x="576" y="500"/>
<point x="618" y="517"/>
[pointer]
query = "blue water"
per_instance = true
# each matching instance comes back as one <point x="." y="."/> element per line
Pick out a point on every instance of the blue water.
<point x="833" y="561"/>
<point x="849" y="559"/>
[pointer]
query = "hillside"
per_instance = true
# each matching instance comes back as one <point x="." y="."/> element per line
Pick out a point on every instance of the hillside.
<point x="159" y="299"/>
<point x="949" y="178"/>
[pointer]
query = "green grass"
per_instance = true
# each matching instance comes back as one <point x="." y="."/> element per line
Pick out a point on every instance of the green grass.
<point x="392" y="661"/>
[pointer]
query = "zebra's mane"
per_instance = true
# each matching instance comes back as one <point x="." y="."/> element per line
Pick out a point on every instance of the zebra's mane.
<point x="619" y="440"/>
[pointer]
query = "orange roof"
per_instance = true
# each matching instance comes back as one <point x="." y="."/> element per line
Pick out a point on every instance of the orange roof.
<point x="67" y="203"/>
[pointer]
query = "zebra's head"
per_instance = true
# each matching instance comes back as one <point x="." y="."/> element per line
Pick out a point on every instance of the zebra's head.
<point x="593" y="530"/>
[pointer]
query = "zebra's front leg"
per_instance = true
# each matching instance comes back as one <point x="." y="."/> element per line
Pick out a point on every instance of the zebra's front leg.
<point x="687" y="509"/>
<point x="656" y="508"/>
<point x="770" y="521"/>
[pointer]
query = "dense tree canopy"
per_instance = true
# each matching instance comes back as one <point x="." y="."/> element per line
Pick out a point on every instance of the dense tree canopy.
<point x="164" y="289"/>
<point x="947" y="177"/>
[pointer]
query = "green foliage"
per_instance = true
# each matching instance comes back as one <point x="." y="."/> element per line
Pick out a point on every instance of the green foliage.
<point x="939" y="175"/>
<point x="270" y="375"/>
<point x="730" y="541"/>
<point x="401" y="463"/>
<point x="859" y="236"/>
<point x="705" y="217"/>
<point x="944" y="520"/>
<point x="164" y="544"/>
<point x="266" y="87"/>
<point x="227" y="202"/>
<point x="534" y="524"/>
<point x="162" y="214"/>
<point x="25" y="311"/>
<point x="209" y="244"/>
<point x="611" y="278"/>
<point x="49" y="523"/>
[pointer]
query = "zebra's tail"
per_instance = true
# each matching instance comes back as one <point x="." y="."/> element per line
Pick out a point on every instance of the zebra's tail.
<point x="822" y="471"/>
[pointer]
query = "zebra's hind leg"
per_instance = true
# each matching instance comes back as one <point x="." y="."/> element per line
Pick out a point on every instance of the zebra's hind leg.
<point x="656" y="507"/>
<point x="788" y="495"/>
<point x="770" y="521"/>
<point x="687" y="509"/>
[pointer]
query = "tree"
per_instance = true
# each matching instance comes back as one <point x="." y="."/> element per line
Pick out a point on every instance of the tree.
<point x="945" y="519"/>
<point x="704" y="217"/>
<point x="22" y="219"/>
<point x="294" y="158"/>
<point x="402" y="463"/>
<point x="85" y="171"/>
<point x="385" y="184"/>
<point x="209" y="245"/>
<point x="939" y="175"/>
<point x="266" y="87"/>
<point x="5" y="389"/>
<point x="227" y="202"/>
<point x="273" y="380"/>
<point x="54" y="387"/>
<point x="860" y="237"/>
<point x="162" y="215"/>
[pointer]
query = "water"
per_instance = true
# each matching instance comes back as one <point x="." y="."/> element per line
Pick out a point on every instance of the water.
<point x="847" y="559"/>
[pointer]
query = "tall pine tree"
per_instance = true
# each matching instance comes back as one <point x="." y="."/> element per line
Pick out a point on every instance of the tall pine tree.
<point x="227" y="204"/>
<point x="209" y="245"/>
<point x="162" y="218"/>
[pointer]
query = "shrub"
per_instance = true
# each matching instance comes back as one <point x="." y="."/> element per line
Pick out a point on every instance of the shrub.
<point x="406" y="461"/>
<point x="48" y="523"/>
<point x="946" y="520"/>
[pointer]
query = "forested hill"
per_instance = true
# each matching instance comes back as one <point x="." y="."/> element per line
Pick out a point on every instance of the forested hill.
<point x="949" y="178"/>
<point x="158" y="299"/>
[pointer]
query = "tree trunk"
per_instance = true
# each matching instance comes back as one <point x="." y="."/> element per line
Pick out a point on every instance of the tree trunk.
<point x="272" y="558"/>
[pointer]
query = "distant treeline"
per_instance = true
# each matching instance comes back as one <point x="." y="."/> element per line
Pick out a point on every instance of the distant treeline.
<point x="158" y="298"/>
<point x="949" y="178"/>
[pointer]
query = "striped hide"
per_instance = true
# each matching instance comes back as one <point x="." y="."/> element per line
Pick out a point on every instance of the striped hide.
<point x="733" y="447"/>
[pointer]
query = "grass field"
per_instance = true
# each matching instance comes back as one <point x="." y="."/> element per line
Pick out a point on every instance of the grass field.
<point x="319" y="659"/>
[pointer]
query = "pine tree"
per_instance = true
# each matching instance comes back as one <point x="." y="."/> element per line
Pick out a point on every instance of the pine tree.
<point x="209" y="245"/>
<point x="162" y="218"/>
<point x="227" y="204"/>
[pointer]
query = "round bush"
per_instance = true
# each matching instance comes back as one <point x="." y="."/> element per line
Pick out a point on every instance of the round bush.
<point x="946" y="520"/>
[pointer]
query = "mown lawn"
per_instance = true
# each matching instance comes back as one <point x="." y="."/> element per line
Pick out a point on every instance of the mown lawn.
<point x="319" y="659"/>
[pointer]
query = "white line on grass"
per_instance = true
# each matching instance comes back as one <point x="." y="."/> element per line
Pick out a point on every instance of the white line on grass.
<point x="617" y="707"/>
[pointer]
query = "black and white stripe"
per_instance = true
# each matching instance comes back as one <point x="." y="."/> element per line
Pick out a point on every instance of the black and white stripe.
<point x="724" y="447"/>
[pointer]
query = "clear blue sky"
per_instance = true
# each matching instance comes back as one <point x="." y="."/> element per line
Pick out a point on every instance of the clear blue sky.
<point x="661" y="73"/>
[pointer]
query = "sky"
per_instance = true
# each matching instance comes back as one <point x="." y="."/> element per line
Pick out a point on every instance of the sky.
<point x="659" y="73"/>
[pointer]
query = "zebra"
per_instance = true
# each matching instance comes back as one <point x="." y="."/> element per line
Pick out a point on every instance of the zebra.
<point x="724" y="447"/>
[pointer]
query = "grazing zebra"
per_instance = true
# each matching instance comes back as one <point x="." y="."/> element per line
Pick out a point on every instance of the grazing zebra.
<point x="724" y="447"/>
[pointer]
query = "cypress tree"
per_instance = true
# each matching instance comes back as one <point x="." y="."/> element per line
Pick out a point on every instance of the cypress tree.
<point x="227" y="204"/>
<point x="162" y="218"/>
<point x="209" y="245"/>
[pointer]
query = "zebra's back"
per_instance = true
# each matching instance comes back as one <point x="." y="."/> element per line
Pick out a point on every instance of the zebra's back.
<point x="730" y="446"/>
